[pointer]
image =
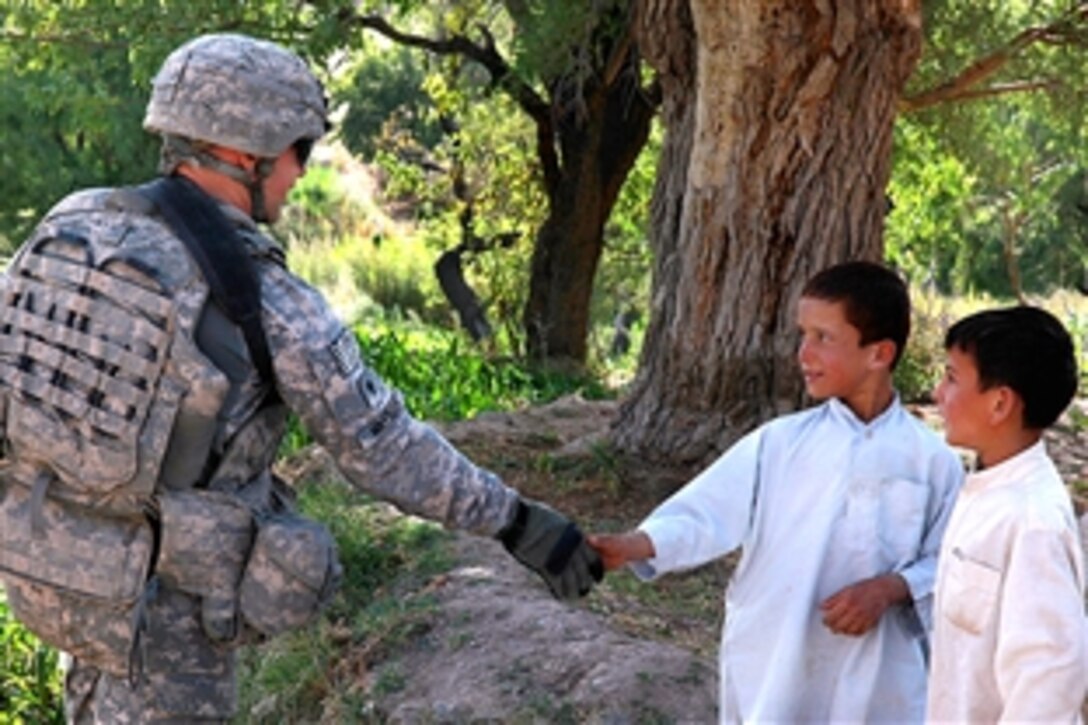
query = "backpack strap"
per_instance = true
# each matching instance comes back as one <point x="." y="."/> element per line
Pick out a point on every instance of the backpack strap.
<point x="216" y="248"/>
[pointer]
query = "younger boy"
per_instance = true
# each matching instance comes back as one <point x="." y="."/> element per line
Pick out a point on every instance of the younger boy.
<point x="1009" y="630"/>
<point x="839" y="511"/>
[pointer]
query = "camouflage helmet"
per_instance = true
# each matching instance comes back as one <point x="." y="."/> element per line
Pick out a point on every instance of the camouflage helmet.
<point x="239" y="92"/>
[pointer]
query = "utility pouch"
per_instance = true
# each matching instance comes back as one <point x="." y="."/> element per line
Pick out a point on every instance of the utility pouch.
<point x="206" y="539"/>
<point x="76" y="578"/>
<point x="292" y="574"/>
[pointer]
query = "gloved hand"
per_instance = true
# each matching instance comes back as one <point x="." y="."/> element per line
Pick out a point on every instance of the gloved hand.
<point x="551" y="544"/>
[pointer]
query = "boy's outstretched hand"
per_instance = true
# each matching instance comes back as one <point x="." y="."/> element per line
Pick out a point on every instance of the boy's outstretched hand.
<point x="617" y="550"/>
<point x="857" y="608"/>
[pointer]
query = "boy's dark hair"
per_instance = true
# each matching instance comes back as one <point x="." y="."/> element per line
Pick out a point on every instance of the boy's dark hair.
<point x="875" y="299"/>
<point x="1028" y="350"/>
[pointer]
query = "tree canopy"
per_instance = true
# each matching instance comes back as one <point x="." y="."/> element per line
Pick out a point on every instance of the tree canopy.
<point x="990" y="143"/>
<point x="504" y="122"/>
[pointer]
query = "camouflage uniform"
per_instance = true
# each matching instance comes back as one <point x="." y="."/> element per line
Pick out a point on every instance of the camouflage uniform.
<point x="319" y="374"/>
<point x="352" y="414"/>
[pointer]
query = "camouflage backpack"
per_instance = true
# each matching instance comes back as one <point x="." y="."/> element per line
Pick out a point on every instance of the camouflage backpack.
<point x="105" y="395"/>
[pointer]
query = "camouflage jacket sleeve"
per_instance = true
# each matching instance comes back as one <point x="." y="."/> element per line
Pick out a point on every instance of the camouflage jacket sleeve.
<point x="363" y="423"/>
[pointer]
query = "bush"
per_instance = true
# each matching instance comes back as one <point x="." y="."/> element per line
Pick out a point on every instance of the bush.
<point x="30" y="678"/>
<point x="922" y="363"/>
<point x="340" y="241"/>
<point x="444" y="377"/>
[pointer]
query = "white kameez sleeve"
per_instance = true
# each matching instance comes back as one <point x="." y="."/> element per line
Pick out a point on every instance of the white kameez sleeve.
<point x="1040" y="659"/>
<point x="707" y="518"/>
<point x="945" y="478"/>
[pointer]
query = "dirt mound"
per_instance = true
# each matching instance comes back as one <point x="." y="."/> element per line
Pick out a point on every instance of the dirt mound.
<point x="502" y="650"/>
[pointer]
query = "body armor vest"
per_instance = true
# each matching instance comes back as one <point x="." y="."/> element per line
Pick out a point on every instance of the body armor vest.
<point x="108" y="410"/>
<point x="98" y="370"/>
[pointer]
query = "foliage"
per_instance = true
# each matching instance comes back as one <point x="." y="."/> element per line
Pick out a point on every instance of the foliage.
<point x="491" y="182"/>
<point x="443" y="377"/>
<point x="30" y="678"/>
<point x="1072" y="309"/>
<point x="919" y="367"/>
<point x="984" y="189"/>
<point x="385" y="102"/>
<point x="923" y="360"/>
<point x="474" y="184"/>
<point x="339" y="241"/>
<point x="623" y="278"/>
<point x="68" y="123"/>
<point x="924" y="234"/>
<point x="559" y="41"/>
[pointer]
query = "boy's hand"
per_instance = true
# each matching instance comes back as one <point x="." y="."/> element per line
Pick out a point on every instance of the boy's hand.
<point x="857" y="608"/>
<point x="617" y="550"/>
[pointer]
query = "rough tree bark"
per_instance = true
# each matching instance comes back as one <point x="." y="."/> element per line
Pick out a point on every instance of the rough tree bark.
<point x="779" y="122"/>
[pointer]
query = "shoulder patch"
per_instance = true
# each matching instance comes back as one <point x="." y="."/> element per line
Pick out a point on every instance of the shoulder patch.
<point x="345" y="352"/>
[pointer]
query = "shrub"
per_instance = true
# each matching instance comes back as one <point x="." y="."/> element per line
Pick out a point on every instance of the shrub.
<point x="30" y="678"/>
<point x="923" y="360"/>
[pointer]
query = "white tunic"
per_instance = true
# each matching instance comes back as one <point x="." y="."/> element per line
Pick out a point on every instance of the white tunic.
<point x="818" y="500"/>
<point x="1009" y="632"/>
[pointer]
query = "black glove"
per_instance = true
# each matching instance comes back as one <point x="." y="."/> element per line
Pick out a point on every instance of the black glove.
<point x="550" y="544"/>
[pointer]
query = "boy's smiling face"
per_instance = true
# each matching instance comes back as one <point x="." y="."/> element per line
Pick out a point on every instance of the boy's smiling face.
<point x="963" y="404"/>
<point x="834" y="363"/>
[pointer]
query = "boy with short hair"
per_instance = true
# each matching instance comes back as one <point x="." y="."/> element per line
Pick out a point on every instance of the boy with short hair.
<point x="839" y="511"/>
<point x="1009" y="631"/>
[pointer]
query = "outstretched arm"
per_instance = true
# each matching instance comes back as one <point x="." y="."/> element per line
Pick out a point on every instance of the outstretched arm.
<point x="383" y="450"/>
<point x="618" y="550"/>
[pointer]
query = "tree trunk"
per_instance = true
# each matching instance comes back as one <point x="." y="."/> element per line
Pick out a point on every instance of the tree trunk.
<point x="599" y="142"/>
<point x="779" y="127"/>
<point x="565" y="256"/>
<point x="1011" y="221"/>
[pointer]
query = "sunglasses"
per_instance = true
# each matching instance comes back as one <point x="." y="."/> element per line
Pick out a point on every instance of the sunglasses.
<point x="302" y="148"/>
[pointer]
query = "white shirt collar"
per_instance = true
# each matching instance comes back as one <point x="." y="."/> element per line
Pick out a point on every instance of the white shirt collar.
<point x="841" y="412"/>
<point x="1008" y="471"/>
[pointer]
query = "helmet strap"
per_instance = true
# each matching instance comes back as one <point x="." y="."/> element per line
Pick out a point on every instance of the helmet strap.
<point x="177" y="149"/>
<point x="259" y="211"/>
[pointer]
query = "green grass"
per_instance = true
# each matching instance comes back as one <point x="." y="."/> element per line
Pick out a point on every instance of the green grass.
<point x="444" y="377"/>
<point x="30" y="683"/>
<point x="387" y="557"/>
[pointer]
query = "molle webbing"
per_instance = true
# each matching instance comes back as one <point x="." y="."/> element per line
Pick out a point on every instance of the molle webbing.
<point x="87" y="343"/>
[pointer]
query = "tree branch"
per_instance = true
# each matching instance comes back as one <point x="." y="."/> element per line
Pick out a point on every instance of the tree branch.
<point x="964" y="86"/>
<point x="502" y="76"/>
<point x="619" y="57"/>
<point x="997" y="89"/>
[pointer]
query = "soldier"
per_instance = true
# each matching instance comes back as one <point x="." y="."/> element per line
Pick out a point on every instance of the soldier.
<point x="238" y="117"/>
